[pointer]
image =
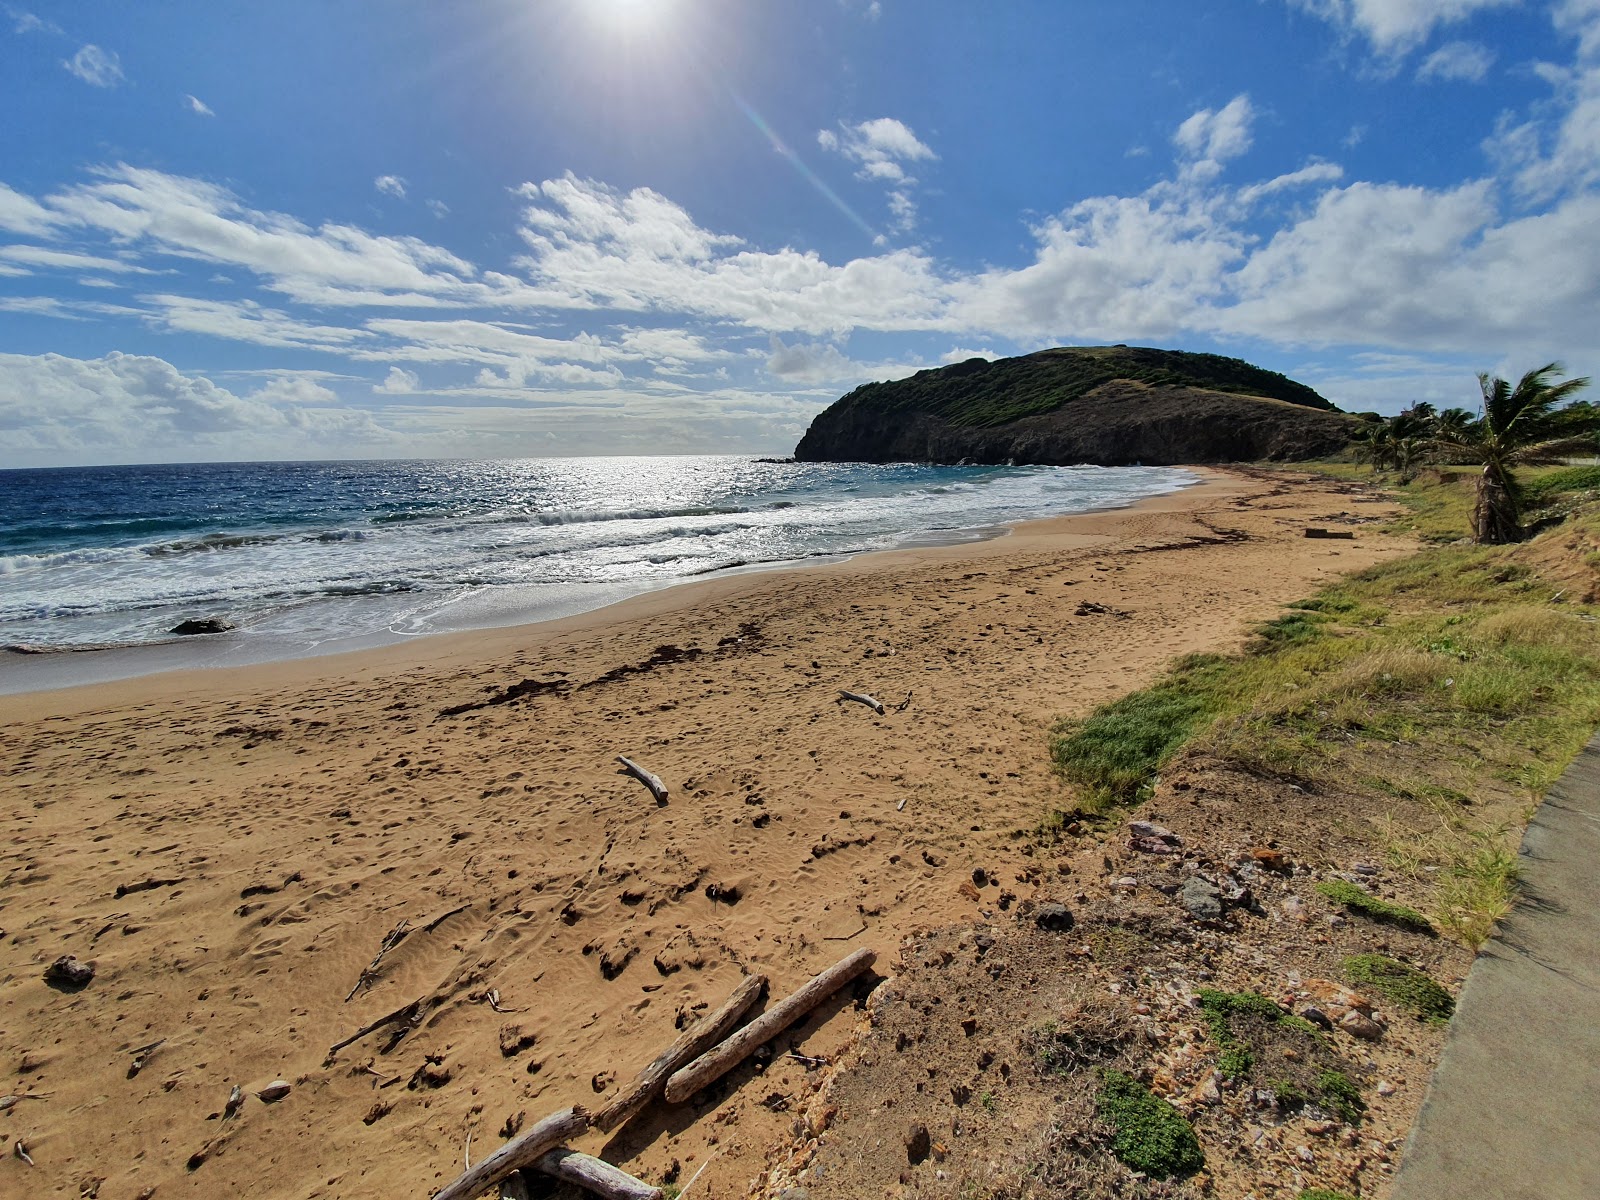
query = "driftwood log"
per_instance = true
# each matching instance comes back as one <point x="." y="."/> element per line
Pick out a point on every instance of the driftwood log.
<point x="1342" y="534"/>
<point x="652" y="782"/>
<point x="694" y="1042"/>
<point x="716" y="1063"/>
<point x="595" y="1175"/>
<point x="516" y="1154"/>
<point x="875" y="705"/>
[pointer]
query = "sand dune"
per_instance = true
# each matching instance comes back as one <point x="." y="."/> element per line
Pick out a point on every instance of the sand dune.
<point x="232" y="849"/>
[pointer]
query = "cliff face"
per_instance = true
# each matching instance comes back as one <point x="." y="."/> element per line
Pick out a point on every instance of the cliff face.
<point x="1102" y="405"/>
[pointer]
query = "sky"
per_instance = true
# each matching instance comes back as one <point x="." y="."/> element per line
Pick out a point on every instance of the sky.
<point x="503" y="228"/>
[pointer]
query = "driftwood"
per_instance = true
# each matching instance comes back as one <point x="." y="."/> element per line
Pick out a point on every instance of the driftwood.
<point x="516" y="1154"/>
<point x="1342" y="534"/>
<point x="595" y="1175"/>
<point x="390" y="940"/>
<point x="875" y="705"/>
<point x="652" y="782"/>
<point x="716" y="1063"/>
<point x="406" y="1012"/>
<point x="694" y="1042"/>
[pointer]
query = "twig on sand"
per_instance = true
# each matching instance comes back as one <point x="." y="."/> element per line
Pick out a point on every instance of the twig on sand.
<point x="142" y="1054"/>
<point x="409" y="1013"/>
<point x="493" y="997"/>
<point x="904" y="704"/>
<point x="466" y="1155"/>
<point x="809" y="1060"/>
<point x="860" y="698"/>
<point x="392" y="939"/>
<point x="692" y="1178"/>
<point x="845" y="937"/>
<point x="21" y="1151"/>
<point x="651" y="782"/>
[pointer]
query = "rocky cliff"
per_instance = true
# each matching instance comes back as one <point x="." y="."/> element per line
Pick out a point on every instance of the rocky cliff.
<point x="1108" y="405"/>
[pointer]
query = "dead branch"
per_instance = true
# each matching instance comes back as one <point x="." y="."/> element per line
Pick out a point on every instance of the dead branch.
<point x="904" y="704"/>
<point x="596" y="1175"/>
<point x="693" y="1043"/>
<point x="651" y="782"/>
<point x="392" y="939"/>
<point x="875" y="705"/>
<point x="716" y="1063"/>
<point x="516" y="1154"/>
<point x="406" y="1012"/>
<point x="142" y="1055"/>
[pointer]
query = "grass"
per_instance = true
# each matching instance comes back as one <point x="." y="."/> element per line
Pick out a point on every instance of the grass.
<point x="1151" y="1135"/>
<point x="1439" y="693"/>
<point x="1221" y="1009"/>
<point x="1248" y="1027"/>
<point x="1404" y="985"/>
<point x="1323" y="1194"/>
<point x="1359" y="900"/>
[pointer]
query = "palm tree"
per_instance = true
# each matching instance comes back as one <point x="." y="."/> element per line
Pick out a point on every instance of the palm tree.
<point x="1519" y="426"/>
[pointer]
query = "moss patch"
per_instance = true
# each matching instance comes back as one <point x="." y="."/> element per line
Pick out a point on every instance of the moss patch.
<point x="1402" y="984"/>
<point x="1151" y="1135"/>
<point x="1324" y="1194"/>
<point x="1276" y="1050"/>
<point x="1358" y="900"/>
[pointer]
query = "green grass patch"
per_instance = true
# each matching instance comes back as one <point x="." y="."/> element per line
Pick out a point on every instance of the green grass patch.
<point x="1222" y="1009"/>
<point x="1360" y="901"/>
<point x="1323" y="1194"/>
<point x="1151" y="1135"/>
<point x="1404" y="985"/>
<point x="1252" y="1031"/>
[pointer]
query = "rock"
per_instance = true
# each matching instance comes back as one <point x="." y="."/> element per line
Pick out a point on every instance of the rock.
<point x="1054" y="917"/>
<point x="1201" y="898"/>
<point x="1361" y="1026"/>
<point x="918" y="1144"/>
<point x="274" y="1091"/>
<point x="1317" y="1017"/>
<point x="201" y="625"/>
<point x="1126" y="883"/>
<point x="67" y="974"/>
<point x="1385" y="1088"/>
<point x="1271" y="860"/>
<point x="1148" y="838"/>
<point x="980" y="877"/>
<point x="1151" y="830"/>
<point x="966" y="891"/>
<point x="1366" y="869"/>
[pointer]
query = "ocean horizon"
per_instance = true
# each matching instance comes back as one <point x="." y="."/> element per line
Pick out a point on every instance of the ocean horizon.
<point x="100" y="565"/>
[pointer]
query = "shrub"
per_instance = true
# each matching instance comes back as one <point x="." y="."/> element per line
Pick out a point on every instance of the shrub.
<point x="1151" y="1135"/>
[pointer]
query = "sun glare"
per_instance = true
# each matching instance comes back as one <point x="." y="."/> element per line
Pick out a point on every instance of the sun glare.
<point x="630" y="16"/>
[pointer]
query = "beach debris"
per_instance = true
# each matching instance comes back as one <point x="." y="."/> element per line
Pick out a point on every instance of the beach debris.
<point x="717" y="1062"/>
<point x="390" y="940"/>
<point x="67" y="974"/>
<point x="492" y="996"/>
<point x="7" y="1103"/>
<point x="466" y="1154"/>
<point x="144" y="885"/>
<point x="694" y="1042"/>
<point x="651" y="782"/>
<point x="1347" y="535"/>
<point x="407" y="1015"/>
<point x="904" y="704"/>
<point x="860" y="698"/>
<point x="809" y="1060"/>
<point x="20" y="1149"/>
<point x="142" y="1055"/>
<point x="234" y="1104"/>
<point x="198" y="625"/>
<point x="1088" y="608"/>
<point x="517" y="1154"/>
<point x="900" y="807"/>
<point x="595" y="1175"/>
<point x="274" y="1091"/>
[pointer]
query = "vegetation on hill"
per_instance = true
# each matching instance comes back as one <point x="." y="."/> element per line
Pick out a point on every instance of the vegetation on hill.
<point x="978" y="393"/>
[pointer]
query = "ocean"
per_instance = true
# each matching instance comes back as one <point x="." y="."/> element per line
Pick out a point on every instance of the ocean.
<point x="319" y="557"/>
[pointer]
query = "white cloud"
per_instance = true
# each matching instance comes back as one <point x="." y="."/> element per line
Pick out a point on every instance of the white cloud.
<point x="1208" y="139"/>
<point x="1394" y="27"/>
<point x="246" y="321"/>
<point x="438" y="208"/>
<point x="1307" y="176"/>
<point x="882" y="148"/>
<point x="43" y="256"/>
<point x="198" y="106"/>
<point x="391" y="185"/>
<point x="1550" y="156"/>
<point x="1468" y="62"/>
<point x="23" y="214"/>
<point x="93" y="65"/>
<point x="27" y="22"/>
<point x="398" y="382"/>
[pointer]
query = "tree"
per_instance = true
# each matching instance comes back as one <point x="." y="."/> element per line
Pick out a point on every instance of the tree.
<point x="1518" y="426"/>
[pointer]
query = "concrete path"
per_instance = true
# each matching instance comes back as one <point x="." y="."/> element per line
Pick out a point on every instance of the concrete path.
<point x="1513" y="1112"/>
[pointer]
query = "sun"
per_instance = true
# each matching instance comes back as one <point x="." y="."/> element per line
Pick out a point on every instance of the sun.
<point x="630" y="16"/>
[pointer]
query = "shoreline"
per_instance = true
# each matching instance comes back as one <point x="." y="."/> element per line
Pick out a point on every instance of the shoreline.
<point x="230" y="848"/>
<point x="69" y="668"/>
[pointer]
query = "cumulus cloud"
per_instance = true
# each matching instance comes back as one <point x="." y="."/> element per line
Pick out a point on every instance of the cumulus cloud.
<point x="1467" y="62"/>
<point x="882" y="148"/>
<point x="1548" y="155"/>
<point x="198" y="106"/>
<point x="1208" y="139"/>
<point x="391" y="185"/>
<point x="398" y="382"/>
<point x="102" y="68"/>
<point x="1394" y="27"/>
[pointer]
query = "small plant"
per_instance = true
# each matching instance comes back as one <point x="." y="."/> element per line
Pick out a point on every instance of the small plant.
<point x="1336" y="1091"/>
<point x="988" y="1102"/>
<point x="1404" y="985"/>
<point x="670" y="1191"/>
<point x="1358" y="900"/>
<point x="1151" y="1135"/>
<point x="1220" y="1008"/>
<point x="1324" y="1194"/>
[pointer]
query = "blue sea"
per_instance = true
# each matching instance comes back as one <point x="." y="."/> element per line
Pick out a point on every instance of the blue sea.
<point x="310" y="558"/>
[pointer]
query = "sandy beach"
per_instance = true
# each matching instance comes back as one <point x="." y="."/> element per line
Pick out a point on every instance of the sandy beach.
<point x="231" y="849"/>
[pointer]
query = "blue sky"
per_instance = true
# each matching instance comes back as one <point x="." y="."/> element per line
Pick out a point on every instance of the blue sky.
<point x="308" y="229"/>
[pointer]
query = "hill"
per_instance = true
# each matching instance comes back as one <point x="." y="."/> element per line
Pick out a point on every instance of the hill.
<point x="1109" y="405"/>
